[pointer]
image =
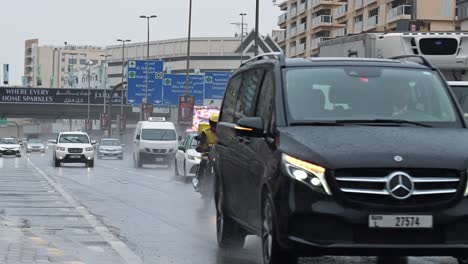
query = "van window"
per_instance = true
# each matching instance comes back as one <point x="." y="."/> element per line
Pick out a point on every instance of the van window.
<point x="230" y="99"/>
<point x="248" y="94"/>
<point x="158" y="134"/>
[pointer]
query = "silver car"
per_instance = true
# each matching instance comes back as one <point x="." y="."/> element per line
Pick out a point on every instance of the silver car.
<point x="110" y="147"/>
<point x="35" y="145"/>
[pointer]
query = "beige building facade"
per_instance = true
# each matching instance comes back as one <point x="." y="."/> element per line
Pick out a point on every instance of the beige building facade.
<point x="306" y="23"/>
<point x="56" y="66"/>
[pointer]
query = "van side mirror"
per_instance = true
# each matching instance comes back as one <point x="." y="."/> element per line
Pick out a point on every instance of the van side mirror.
<point x="138" y="137"/>
<point x="54" y="141"/>
<point x="250" y="127"/>
<point x="93" y="142"/>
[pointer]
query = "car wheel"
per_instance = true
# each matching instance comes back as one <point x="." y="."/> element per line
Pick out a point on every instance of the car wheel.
<point x="137" y="162"/>
<point x="90" y="163"/>
<point x="271" y="250"/>
<point x="57" y="163"/>
<point x="229" y="234"/>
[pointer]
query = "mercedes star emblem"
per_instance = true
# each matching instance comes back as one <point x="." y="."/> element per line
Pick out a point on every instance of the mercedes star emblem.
<point x="400" y="185"/>
<point x="398" y="158"/>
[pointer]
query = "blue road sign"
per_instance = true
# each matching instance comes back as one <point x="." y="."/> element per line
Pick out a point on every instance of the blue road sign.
<point x="174" y="86"/>
<point x="215" y="85"/>
<point x="136" y="80"/>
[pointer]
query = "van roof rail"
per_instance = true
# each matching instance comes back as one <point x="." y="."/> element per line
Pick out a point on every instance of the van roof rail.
<point x="425" y="62"/>
<point x="276" y="55"/>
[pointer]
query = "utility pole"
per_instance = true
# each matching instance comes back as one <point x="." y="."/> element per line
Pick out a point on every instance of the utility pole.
<point x="257" y="11"/>
<point x="105" y="80"/>
<point x="147" y="53"/>
<point x="242" y="36"/>
<point x="89" y="94"/>
<point x="187" y="80"/>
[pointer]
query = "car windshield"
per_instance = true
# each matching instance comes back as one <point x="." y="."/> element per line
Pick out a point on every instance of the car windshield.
<point x="8" y="141"/>
<point x="109" y="143"/>
<point x="368" y="93"/>
<point x="74" y="138"/>
<point x="34" y="141"/>
<point x="159" y="134"/>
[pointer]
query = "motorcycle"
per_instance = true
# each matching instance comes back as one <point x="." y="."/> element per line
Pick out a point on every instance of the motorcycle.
<point x="203" y="182"/>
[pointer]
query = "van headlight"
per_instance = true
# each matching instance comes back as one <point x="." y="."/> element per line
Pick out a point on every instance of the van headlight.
<point x="310" y="174"/>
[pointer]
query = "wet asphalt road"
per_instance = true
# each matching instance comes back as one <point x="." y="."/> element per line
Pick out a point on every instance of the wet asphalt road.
<point x="144" y="213"/>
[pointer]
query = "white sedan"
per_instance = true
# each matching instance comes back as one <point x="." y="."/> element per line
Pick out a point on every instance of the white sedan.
<point x="187" y="158"/>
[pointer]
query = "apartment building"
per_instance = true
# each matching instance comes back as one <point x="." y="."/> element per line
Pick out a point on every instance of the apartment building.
<point x="306" y="23"/>
<point x="56" y="66"/>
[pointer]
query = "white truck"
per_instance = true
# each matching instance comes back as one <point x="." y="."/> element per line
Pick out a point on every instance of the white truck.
<point x="448" y="51"/>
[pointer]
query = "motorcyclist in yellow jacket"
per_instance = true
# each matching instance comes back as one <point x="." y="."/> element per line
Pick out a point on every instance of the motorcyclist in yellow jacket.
<point x="206" y="140"/>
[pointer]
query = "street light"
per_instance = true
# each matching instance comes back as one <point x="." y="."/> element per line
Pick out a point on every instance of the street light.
<point x="89" y="63"/>
<point x="242" y="35"/>
<point x="257" y="11"/>
<point x="147" y="53"/>
<point x="189" y="38"/>
<point x="123" y="72"/>
<point x="105" y="56"/>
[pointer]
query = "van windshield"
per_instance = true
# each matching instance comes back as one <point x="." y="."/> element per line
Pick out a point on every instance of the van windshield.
<point x="158" y="134"/>
<point x="368" y="93"/>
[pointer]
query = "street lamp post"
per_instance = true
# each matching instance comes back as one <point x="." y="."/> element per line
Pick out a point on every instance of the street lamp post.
<point x="242" y="35"/>
<point x="123" y="72"/>
<point x="89" y="92"/>
<point x="147" y="53"/>
<point x="105" y="79"/>
<point x="257" y="11"/>
<point x="189" y="38"/>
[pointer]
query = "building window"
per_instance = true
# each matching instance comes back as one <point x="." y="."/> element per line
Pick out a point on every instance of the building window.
<point x="83" y="61"/>
<point x="358" y="19"/>
<point x="72" y="61"/>
<point x="374" y="12"/>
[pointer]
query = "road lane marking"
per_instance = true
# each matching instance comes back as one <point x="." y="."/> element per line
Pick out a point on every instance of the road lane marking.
<point x="120" y="247"/>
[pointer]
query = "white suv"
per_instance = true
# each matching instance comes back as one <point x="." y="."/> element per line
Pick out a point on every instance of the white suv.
<point x="74" y="147"/>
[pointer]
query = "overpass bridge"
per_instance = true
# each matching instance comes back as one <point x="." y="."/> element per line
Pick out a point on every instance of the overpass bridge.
<point x="58" y="103"/>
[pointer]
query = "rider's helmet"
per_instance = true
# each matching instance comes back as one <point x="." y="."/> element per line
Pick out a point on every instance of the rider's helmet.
<point x="214" y="119"/>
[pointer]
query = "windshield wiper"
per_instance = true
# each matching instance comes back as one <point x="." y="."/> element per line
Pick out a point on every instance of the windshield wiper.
<point x="382" y="121"/>
<point x="317" y="123"/>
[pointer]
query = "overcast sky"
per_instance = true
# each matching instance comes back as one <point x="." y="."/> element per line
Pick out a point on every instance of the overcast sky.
<point x="101" y="22"/>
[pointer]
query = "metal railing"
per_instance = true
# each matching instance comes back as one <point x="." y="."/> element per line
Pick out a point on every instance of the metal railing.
<point x="372" y="21"/>
<point x="341" y="32"/>
<point x="399" y="11"/>
<point x="341" y="10"/>
<point x="282" y="18"/>
<point x="302" y="28"/>
<point x="300" y="49"/>
<point x="302" y="8"/>
<point x="292" y="51"/>
<point x="358" y="4"/>
<point x="323" y="19"/>
<point x="316" y="41"/>
<point x="293" y="12"/>
<point x="293" y="32"/>
<point x="282" y="36"/>
<point x="358" y="27"/>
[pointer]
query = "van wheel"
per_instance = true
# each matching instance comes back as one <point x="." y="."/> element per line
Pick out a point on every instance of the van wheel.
<point x="271" y="250"/>
<point x="229" y="234"/>
<point x="90" y="164"/>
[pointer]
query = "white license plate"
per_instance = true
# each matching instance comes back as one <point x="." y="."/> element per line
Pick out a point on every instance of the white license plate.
<point x="159" y="159"/>
<point x="400" y="221"/>
<point x="75" y="156"/>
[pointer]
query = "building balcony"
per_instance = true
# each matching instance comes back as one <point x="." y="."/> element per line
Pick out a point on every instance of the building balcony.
<point x="283" y="5"/>
<point x="358" y="27"/>
<point x="358" y="4"/>
<point x="395" y="13"/>
<point x="302" y="8"/>
<point x="368" y="2"/>
<point x="301" y="28"/>
<point x="292" y="32"/>
<point x="317" y="41"/>
<point x="323" y="20"/>
<point x="300" y="49"/>
<point x="282" y="36"/>
<point x="372" y="22"/>
<point x="341" y="11"/>
<point x="293" y="12"/>
<point x="282" y="19"/>
<point x="316" y="3"/>
<point x="292" y="51"/>
<point x="341" y="32"/>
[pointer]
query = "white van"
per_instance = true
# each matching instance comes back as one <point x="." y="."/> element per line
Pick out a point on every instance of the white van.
<point x="154" y="142"/>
